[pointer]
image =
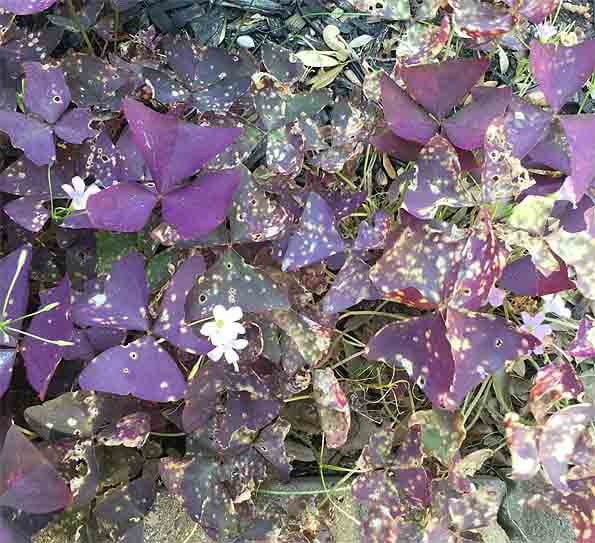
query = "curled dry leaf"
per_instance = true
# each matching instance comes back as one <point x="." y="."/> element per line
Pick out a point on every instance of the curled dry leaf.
<point x="333" y="407"/>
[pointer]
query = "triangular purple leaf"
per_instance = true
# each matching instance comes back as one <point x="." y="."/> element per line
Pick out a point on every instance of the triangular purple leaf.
<point x="75" y="126"/>
<point x="583" y="345"/>
<point x="494" y="344"/>
<point x="233" y="281"/>
<point x="173" y="149"/>
<point x="578" y="129"/>
<point x="42" y="358"/>
<point x="525" y="125"/>
<point x="558" y="441"/>
<point x="561" y="71"/>
<point x="28" y="482"/>
<point x="26" y="7"/>
<point x="316" y="238"/>
<point x="46" y="93"/>
<point x="403" y="116"/>
<point x="123" y="207"/>
<point x="436" y="179"/>
<point x="34" y="137"/>
<point x="351" y="285"/>
<point x="419" y="346"/>
<point x="372" y="233"/>
<point x="522" y="278"/>
<point x="28" y="212"/>
<point x="440" y="87"/>
<point x="466" y="128"/>
<point x="410" y="272"/>
<point x="255" y="216"/>
<point x="171" y="323"/>
<point x="121" y="302"/>
<point x="94" y="82"/>
<point x="24" y="178"/>
<point x="482" y="265"/>
<point x="141" y="368"/>
<point x="211" y="194"/>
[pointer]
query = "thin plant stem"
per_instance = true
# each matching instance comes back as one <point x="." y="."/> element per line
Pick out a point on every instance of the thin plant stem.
<point x="58" y="342"/>
<point x="20" y="263"/>
<point x="77" y="22"/>
<point x="44" y="309"/>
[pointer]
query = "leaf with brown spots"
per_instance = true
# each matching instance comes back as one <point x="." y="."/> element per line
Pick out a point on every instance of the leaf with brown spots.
<point x="130" y="431"/>
<point x="256" y="216"/>
<point x="351" y="285"/>
<point x="583" y="345"/>
<point x="522" y="441"/>
<point x="481" y="345"/>
<point x="576" y="250"/>
<point x="197" y="480"/>
<point x="436" y="180"/>
<point x="423" y="42"/>
<point x="482" y="265"/>
<point x="333" y="407"/>
<point x="561" y="71"/>
<point x="316" y="238"/>
<point x="310" y="339"/>
<point x="282" y="63"/>
<point x="442" y="433"/>
<point x="419" y="346"/>
<point x="232" y="281"/>
<point x="387" y="9"/>
<point x="554" y="382"/>
<point x="558" y="441"/>
<point x="481" y="20"/>
<point x="419" y="268"/>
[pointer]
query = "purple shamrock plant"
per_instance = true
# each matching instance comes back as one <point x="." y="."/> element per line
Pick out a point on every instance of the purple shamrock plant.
<point x="454" y="347"/>
<point x="47" y="98"/>
<point x="173" y="151"/>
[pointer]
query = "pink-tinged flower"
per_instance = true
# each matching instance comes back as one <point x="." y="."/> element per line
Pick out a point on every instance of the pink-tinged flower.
<point x="555" y="304"/>
<point x="533" y="325"/>
<point x="496" y="297"/>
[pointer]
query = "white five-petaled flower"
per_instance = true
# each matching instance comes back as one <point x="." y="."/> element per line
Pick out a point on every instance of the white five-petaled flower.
<point x="79" y="193"/>
<point x="228" y="350"/>
<point x="223" y="333"/>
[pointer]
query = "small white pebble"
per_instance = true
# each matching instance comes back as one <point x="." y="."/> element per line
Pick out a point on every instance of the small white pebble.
<point x="245" y="42"/>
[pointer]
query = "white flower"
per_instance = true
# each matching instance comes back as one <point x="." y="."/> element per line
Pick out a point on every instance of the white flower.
<point x="546" y="31"/>
<point x="555" y="304"/>
<point x="79" y="193"/>
<point x="229" y="351"/>
<point x="225" y="328"/>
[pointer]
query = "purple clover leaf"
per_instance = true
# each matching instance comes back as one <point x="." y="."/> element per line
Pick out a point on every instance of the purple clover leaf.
<point x="47" y="98"/>
<point x="173" y="150"/>
<point x="26" y="7"/>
